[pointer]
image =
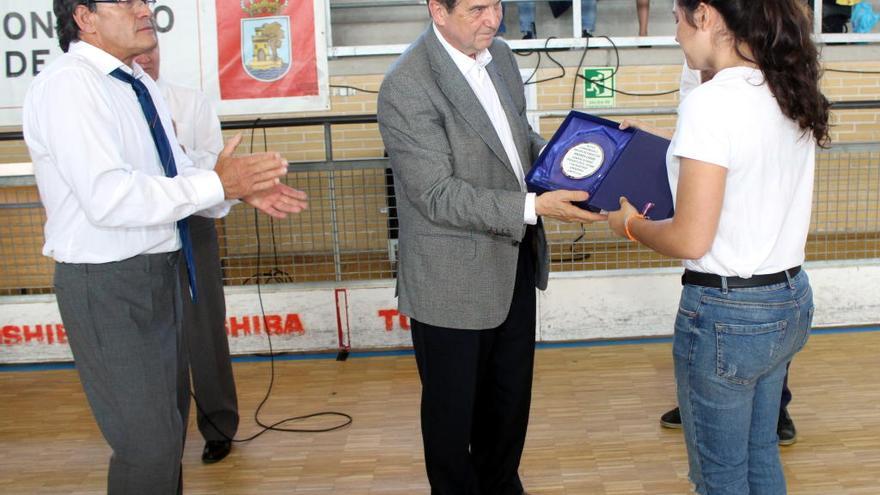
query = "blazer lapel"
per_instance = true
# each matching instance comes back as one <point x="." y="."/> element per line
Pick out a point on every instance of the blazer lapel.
<point x="517" y="128"/>
<point x="456" y="88"/>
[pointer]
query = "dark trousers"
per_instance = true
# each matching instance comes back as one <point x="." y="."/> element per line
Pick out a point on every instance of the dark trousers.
<point x="204" y="329"/>
<point x="476" y="394"/>
<point x="123" y="322"/>
<point x="786" y="392"/>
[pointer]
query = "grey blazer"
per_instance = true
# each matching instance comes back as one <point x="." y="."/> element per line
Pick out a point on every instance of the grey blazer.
<point x="458" y="200"/>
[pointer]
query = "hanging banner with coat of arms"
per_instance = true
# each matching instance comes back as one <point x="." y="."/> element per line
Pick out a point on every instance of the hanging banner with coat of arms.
<point x="251" y="57"/>
<point x="271" y="56"/>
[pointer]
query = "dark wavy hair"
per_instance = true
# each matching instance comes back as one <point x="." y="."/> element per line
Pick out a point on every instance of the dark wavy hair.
<point x="778" y="34"/>
<point x="65" y="24"/>
<point x="449" y="4"/>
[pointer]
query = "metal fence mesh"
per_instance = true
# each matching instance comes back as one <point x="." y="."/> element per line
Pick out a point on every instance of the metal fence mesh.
<point x="349" y="231"/>
<point x="846" y="204"/>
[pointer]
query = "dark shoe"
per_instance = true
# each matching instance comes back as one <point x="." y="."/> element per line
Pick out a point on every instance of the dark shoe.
<point x="528" y="35"/>
<point x="586" y="34"/>
<point x="671" y="419"/>
<point x="216" y="451"/>
<point x="785" y="428"/>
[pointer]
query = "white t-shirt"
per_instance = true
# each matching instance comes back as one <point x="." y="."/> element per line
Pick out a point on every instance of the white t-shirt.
<point x="690" y="79"/>
<point x="733" y="121"/>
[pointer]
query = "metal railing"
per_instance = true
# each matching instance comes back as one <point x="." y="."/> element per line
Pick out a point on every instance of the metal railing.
<point x="568" y="38"/>
<point x="349" y="231"/>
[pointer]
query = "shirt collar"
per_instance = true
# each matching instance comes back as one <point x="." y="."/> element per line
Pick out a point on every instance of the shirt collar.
<point x="102" y="60"/>
<point x="752" y="74"/>
<point x="464" y="63"/>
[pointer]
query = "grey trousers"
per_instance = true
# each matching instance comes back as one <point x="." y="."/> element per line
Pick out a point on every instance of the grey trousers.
<point x="204" y="329"/>
<point x="123" y="322"/>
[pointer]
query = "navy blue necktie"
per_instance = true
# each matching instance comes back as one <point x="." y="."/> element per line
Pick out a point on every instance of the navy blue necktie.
<point x="166" y="156"/>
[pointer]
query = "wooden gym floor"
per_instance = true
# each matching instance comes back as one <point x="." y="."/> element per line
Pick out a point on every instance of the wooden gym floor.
<point x="594" y="427"/>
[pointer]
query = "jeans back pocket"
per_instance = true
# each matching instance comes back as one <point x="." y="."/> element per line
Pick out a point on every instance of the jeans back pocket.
<point x="747" y="352"/>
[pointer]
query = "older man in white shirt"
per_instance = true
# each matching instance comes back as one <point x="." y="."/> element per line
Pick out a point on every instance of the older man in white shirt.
<point x="204" y="323"/>
<point x="117" y="189"/>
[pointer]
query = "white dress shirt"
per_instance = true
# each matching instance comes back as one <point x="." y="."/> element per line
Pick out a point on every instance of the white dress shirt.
<point x="198" y="131"/>
<point x="690" y="79"/>
<point x="97" y="167"/>
<point x="195" y="122"/>
<point x="474" y="72"/>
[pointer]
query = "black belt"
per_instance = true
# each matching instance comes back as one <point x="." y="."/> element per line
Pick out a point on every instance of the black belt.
<point x="712" y="280"/>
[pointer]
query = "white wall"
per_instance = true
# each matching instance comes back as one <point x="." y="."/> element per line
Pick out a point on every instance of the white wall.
<point x="576" y="306"/>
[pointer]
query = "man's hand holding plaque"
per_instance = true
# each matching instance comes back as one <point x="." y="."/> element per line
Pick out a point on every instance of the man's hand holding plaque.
<point x="597" y="156"/>
<point x="558" y="204"/>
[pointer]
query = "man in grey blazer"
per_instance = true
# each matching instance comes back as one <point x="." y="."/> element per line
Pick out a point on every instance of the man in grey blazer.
<point x="472" y="248"/>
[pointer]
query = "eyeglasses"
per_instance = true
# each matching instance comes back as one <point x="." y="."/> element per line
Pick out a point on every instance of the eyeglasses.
<point x="130" y="4"/>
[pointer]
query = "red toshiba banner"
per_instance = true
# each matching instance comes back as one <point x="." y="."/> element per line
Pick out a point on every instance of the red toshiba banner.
<point x="295" y="320"/>
<point x="266" y="49"/>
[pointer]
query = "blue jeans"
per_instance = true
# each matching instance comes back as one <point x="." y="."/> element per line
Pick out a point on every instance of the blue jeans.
<point x="731" y="348"/>
<point x="527" y="16"/>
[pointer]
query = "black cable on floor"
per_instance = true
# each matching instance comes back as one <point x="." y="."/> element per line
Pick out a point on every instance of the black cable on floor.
<point x="346" y="419"/>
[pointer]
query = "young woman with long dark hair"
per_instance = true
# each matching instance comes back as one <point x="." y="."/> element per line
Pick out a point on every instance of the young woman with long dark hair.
<point x="741" y="167"/>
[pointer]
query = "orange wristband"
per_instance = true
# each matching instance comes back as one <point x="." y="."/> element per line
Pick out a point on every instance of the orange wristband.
<point x="626" y="226"/>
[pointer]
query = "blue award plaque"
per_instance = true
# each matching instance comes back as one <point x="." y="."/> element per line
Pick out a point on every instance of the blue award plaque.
<point x="592" y="154"/>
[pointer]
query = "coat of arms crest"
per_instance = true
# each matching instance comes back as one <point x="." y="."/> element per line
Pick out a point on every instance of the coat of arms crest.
<point x="265" y="39"/>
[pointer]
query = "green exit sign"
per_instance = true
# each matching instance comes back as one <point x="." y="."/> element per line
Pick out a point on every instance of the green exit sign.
<point x="599" y="86"/>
